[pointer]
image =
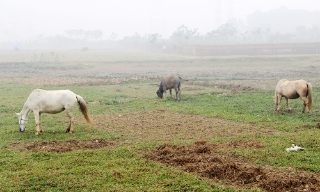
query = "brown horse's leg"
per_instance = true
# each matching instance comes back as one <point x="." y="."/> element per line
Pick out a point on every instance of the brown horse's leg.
<point x="170" y="92"/>
<point x="305" y="103"/>
<point x="38" y="122"/>
<point x="70" y="127"/>
<point x="287" y="104"/>
<point x="278" y="100"/>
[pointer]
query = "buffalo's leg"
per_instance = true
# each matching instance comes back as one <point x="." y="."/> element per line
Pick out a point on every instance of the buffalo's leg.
<point x="164" y="94"/>
<point x="179" y="92"/>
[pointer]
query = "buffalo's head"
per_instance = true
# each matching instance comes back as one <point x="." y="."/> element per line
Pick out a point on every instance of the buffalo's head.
<point x="160" y="94"/>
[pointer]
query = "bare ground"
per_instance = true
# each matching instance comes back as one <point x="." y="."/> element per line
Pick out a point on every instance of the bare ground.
<point x="195" y="69"/>
<point x="62" y="146"/>
<point x="168" y="126"/>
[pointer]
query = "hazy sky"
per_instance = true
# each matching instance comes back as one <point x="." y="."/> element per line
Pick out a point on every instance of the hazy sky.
<point x="24" y="19"/>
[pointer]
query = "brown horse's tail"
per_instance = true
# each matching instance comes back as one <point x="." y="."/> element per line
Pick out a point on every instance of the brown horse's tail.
<point x="84" y="109"/>
<point x="309" y="96"/>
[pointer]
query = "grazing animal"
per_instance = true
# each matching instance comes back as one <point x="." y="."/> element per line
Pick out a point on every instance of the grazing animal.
<point x="85" y="49"/>
<point x="43" y="101"/>
<point x="172" y="81"/>
<point x="293" y="90"/>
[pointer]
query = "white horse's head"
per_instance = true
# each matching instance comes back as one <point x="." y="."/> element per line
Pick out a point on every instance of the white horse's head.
<point x="22" y="122"/>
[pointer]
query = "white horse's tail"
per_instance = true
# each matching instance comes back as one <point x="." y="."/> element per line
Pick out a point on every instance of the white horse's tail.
<point x="84" y="109"/>
<point x="309" y="96"/>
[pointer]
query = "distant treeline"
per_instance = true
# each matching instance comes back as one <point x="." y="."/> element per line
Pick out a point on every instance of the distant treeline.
<point x="279" y="26"/>
<point x="249" y="49"/>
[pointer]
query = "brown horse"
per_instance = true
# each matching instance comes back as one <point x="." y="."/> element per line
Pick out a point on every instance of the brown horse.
<point x="293" y="90"/>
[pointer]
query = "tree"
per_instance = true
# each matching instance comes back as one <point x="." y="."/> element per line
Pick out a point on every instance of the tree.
<point x="224" y="31"/>
<point x="86" y="35"/>
<point x="93" y="34"/>
<point x="153" y="37"/>
<point x="183" y="33"/>
<point x="113" y="36"/>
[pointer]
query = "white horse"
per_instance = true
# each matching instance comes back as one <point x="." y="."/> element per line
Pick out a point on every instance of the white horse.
<point x="293" y="90"/>
<point x="43" y="101"/>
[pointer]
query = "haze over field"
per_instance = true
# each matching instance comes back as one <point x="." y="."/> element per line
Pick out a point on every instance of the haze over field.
<point x="225" y="132"/>
<point x="156" y="20"/>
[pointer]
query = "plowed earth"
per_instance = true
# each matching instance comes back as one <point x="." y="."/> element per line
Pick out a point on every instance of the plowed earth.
<point x="62" y="146"/>
<point x="207" y="161"/>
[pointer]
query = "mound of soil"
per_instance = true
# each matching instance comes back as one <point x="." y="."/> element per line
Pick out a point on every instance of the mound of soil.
<point x="62" y="146"/>
<point x="207" y="160"/>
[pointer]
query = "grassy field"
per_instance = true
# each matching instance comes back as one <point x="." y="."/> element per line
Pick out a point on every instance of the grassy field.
<point x="129" y="115"/>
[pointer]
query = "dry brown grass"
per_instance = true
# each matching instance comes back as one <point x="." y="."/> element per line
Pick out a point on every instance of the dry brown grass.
<point x="168" y="126"/>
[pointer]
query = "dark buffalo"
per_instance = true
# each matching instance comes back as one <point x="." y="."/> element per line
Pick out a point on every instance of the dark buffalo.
<point x="172" y="81"/>
<point x="84" y="49"/>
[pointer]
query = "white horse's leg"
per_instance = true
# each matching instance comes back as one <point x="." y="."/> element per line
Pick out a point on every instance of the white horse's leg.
<point x="38" y="122"/>
<point x="70" y="127"/>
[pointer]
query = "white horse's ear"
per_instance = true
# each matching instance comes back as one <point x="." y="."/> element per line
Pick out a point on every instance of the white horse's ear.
<point x="18" y="114"/>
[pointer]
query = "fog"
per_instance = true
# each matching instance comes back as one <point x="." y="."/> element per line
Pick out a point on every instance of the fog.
<point x="26" y="23"/>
